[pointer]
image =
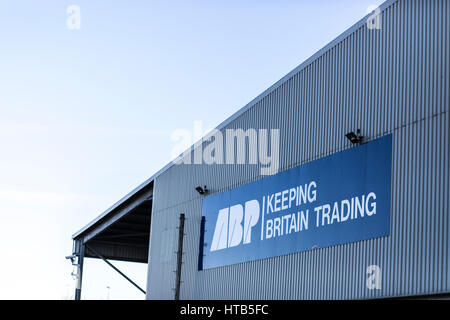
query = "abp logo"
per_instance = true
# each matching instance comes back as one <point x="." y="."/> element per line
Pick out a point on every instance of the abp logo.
<point x="229" y="231"/>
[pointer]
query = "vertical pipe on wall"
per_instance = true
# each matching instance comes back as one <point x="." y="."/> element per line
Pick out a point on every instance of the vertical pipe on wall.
<point x="179" y="257"/>
<point x="202" y="239"/>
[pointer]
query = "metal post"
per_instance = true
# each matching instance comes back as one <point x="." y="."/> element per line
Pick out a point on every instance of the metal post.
<point x="179" y="257"/>
<point x="80" y="254"/>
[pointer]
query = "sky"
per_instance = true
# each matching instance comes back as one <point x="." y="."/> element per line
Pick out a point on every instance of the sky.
<point x="87" y="114"/>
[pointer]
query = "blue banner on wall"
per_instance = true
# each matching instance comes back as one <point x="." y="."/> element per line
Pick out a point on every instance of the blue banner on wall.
<point x="338" y="199"/>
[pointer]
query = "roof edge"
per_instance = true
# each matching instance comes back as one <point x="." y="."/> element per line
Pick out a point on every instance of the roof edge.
<point x="146" y="183"/>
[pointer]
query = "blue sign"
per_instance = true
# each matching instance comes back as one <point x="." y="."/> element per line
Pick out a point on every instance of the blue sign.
<point x="338" y="199"/>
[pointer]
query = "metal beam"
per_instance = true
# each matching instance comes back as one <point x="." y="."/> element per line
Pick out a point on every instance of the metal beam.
<point x="114" y="267"/>
<point x="135" y="244"/>
<point x="117" y="228"/>
<point x="123" y="235"/>
<point x="135" y="226"/>
<point x="138" y="218"/>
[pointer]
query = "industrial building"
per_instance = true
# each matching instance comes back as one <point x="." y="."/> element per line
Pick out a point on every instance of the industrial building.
<point x="358" y="207"/>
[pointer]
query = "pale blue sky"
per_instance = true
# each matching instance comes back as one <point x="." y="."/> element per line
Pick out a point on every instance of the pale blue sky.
<point x="87" y="115"/>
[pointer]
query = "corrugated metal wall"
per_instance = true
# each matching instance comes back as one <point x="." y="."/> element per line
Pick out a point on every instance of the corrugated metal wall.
<point x="394" y="80"/>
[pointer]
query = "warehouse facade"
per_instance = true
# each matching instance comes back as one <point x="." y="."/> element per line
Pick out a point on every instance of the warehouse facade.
<point x="389" y="81"/>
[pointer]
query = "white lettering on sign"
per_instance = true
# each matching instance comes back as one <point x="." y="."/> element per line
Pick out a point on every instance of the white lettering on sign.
<point x="234" y="225"/>
<point x="229" y="231"/>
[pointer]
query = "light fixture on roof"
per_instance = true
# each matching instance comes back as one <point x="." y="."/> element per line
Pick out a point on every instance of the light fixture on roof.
<point x="74" y="259"/>
<point x="355" y="138"/>
<point x="201" y="190"/>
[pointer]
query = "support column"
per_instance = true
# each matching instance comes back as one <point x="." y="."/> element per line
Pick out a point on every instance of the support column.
<point x="79" y="252"/>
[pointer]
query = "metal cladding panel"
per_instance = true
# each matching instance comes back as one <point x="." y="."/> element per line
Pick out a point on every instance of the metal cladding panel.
<point x="394" y="80"/>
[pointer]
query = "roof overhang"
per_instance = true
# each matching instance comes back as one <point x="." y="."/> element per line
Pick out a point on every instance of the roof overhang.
<point x="122" y="232"/>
